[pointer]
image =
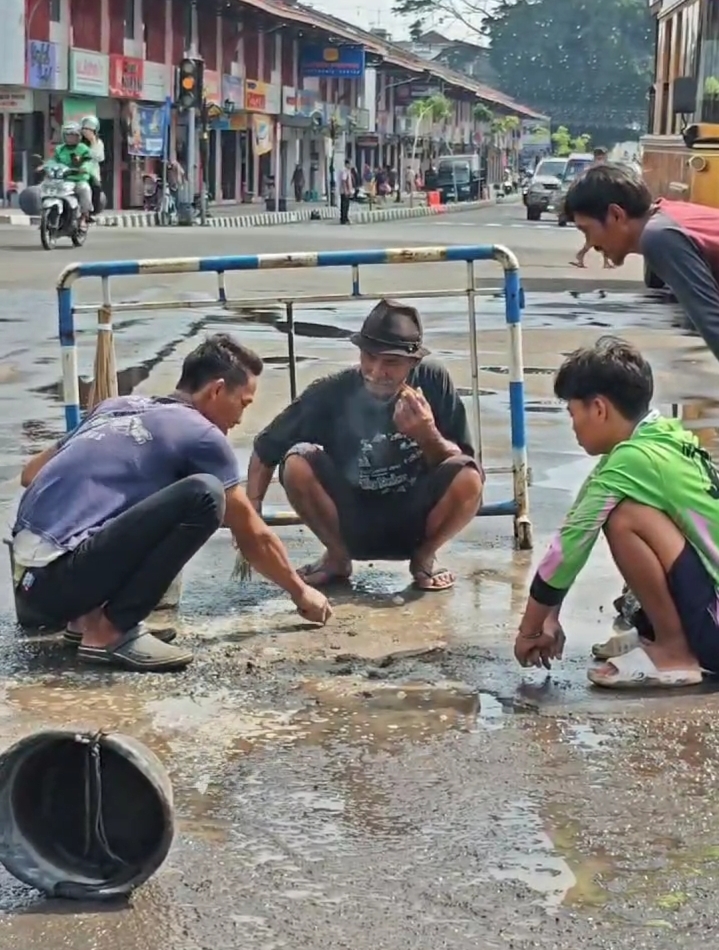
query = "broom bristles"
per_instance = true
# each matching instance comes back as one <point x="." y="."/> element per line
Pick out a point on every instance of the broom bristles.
<point x="242" y="570"/>
<point x="104" y="384"/>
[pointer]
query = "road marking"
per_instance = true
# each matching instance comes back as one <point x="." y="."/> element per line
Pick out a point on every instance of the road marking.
<point x="526" y="225"/>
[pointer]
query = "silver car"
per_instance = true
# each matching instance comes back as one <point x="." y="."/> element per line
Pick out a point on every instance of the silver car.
<point x="546" y="180"/>
<point x="577" y="164"/>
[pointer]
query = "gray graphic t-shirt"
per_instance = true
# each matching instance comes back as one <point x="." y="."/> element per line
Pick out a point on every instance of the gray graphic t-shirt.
<point x="126" y="450"/>
<point x="357" y="430"/>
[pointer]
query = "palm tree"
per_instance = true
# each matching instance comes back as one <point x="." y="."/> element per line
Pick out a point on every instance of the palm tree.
<point x="436" y="108"/>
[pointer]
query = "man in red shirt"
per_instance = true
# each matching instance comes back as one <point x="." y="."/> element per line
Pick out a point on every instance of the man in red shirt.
<point x="612" y="206"/>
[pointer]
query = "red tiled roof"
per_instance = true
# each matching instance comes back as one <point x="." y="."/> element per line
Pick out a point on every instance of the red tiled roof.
<point x="389" y="52"/>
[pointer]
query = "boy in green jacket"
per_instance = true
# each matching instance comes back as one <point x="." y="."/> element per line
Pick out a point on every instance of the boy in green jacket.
<point x="655" y="494"/>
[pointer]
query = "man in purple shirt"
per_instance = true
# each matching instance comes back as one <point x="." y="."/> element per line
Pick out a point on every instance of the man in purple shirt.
<point x="114" y="511"/>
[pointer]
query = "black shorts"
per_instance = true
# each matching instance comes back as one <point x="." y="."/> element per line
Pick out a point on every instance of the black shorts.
<point x="381" y="527"/>
<point x="694" y="594"/>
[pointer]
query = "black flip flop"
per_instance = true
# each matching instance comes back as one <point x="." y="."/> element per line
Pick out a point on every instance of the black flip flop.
<point x="166" y="634"/>
<point x="138" y="651"/>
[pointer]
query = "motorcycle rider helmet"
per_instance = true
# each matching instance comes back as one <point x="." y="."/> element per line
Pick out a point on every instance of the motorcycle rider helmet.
<point x="71" y="130"/>
<point x="90" y="122"/>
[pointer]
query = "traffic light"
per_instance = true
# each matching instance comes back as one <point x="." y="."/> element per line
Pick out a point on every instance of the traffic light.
<point x="189" y="84"/>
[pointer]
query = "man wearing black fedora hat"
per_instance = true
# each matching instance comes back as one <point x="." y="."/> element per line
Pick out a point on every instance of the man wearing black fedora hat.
<point x="377" y="459"/>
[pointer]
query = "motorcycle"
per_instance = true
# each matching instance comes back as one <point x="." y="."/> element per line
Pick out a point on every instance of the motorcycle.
<point x="60" y="214"/>
<point x="161" y="198"/>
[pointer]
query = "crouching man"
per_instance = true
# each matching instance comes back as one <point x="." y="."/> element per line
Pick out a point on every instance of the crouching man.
<point x="377" y="459"/>
<point x="655" y="493"/>
<point x="115" y="510"/>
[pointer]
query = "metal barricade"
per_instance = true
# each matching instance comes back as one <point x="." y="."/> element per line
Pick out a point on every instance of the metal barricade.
<point x="517" y="506"/>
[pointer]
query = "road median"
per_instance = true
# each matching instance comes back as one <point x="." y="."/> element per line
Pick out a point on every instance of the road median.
<point x="265" y="219"/>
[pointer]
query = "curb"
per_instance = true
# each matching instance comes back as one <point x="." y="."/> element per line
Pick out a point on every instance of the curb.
<point x="150" y="219"/>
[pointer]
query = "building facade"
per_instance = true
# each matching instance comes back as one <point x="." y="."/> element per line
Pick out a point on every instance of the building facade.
<point x="287" y="91"/>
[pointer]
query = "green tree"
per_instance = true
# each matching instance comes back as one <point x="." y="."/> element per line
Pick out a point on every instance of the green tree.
<point x="429" y="111"/>
<point x="482" y="113"/>
<point x="586" y="63"/>
<point x="564" y="144"/>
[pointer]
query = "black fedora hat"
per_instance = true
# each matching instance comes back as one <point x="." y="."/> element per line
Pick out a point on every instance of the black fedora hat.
<point x="392" y="329"/>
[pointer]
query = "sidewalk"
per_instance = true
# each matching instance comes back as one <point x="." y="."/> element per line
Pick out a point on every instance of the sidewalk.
<point x="250" y="216"/>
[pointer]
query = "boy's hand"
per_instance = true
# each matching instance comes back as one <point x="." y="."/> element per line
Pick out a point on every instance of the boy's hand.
<point x="540" y="648"/>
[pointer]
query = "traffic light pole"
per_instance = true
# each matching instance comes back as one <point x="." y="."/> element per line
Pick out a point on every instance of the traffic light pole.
<point x="192" y="113"/>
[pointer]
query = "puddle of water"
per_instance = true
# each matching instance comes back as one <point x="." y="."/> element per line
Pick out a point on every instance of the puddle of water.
<point x="545" y="858"/>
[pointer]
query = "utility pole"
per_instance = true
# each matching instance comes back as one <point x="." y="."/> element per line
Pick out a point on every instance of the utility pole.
<point x="192" y="113"/>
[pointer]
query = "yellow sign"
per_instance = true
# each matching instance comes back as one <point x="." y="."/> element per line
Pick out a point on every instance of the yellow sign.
<point x="330" y="54"/>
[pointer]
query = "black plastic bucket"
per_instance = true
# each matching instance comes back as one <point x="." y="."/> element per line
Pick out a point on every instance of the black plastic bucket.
<point x="83" y="816"/>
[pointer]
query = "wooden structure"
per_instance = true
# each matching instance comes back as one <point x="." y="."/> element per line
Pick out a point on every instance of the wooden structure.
<point x="687" y="45"/>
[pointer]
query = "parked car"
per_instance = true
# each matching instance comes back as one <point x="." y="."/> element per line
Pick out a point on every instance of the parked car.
<point x="545" y="181"/>
<point x="577" y="164"/>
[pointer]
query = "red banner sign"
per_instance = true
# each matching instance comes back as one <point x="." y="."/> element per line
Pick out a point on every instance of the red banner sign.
<point x="126" y="75"/>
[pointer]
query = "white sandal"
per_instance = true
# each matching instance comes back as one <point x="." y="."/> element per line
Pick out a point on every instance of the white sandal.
<point x="617" y="645"/>
<point x="635" y="670"/>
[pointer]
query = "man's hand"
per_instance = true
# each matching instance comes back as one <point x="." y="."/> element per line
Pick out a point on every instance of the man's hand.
<point x="313" y="605"/>
<point x="539" y="648"/>
<point x="413" y="415"/>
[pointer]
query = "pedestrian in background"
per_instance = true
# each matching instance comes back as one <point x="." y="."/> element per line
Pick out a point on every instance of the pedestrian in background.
<point x="346" y="190"/>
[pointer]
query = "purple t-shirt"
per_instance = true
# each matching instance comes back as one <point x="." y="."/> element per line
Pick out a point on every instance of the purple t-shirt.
<point x="126" y="450"/>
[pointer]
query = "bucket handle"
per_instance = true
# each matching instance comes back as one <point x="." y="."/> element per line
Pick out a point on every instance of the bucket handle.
<point x="95" y="827"/>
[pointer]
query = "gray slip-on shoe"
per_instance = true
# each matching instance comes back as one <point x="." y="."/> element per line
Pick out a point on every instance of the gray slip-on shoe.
<point x="166" y="634"/>
<point x="139" y="651"/>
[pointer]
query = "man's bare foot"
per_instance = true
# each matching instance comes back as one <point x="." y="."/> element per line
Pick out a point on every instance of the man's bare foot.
<point x="429" y="577"/>
<point x="669" y="661"/>
<point x="84" y="624"/>
<point x="329" y="569"/>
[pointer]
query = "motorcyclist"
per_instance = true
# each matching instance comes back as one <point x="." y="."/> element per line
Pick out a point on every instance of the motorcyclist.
<point x="90" y="128"/>
<point x="75" y="155"/>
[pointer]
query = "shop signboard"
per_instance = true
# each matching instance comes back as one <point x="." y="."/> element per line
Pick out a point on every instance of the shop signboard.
<point x="17" y="101"/>
<point x="360" y="117"/>
<point x="155" y="81"/>
<point x="262" y="134"/>
<point x="307" y="102"/>
<point x="42" y="65"/>
<point x="74" y="110"/>
<point x="89" y="73"/>
<point x="262" y="97"/>
<point x="335" y="62"/>
<point x="289" y="100"/>
<point x="233" y="91"/>
<point x="126" y="77"/>
<point x="212" y="87"/>
<point x="149" y="126"/>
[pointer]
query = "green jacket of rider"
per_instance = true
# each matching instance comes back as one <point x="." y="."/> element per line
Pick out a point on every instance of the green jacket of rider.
<point x="78" y="158"/>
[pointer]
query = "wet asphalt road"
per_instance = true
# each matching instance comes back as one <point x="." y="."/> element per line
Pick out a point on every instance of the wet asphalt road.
<point x="392" y="781"/>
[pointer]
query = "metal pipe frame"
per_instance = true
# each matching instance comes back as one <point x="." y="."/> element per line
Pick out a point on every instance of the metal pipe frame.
<point x="518" y="506"/>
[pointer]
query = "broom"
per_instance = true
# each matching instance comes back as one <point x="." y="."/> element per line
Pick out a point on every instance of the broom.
<point x="278" y="519"/>
<point x="104" y="383"/>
